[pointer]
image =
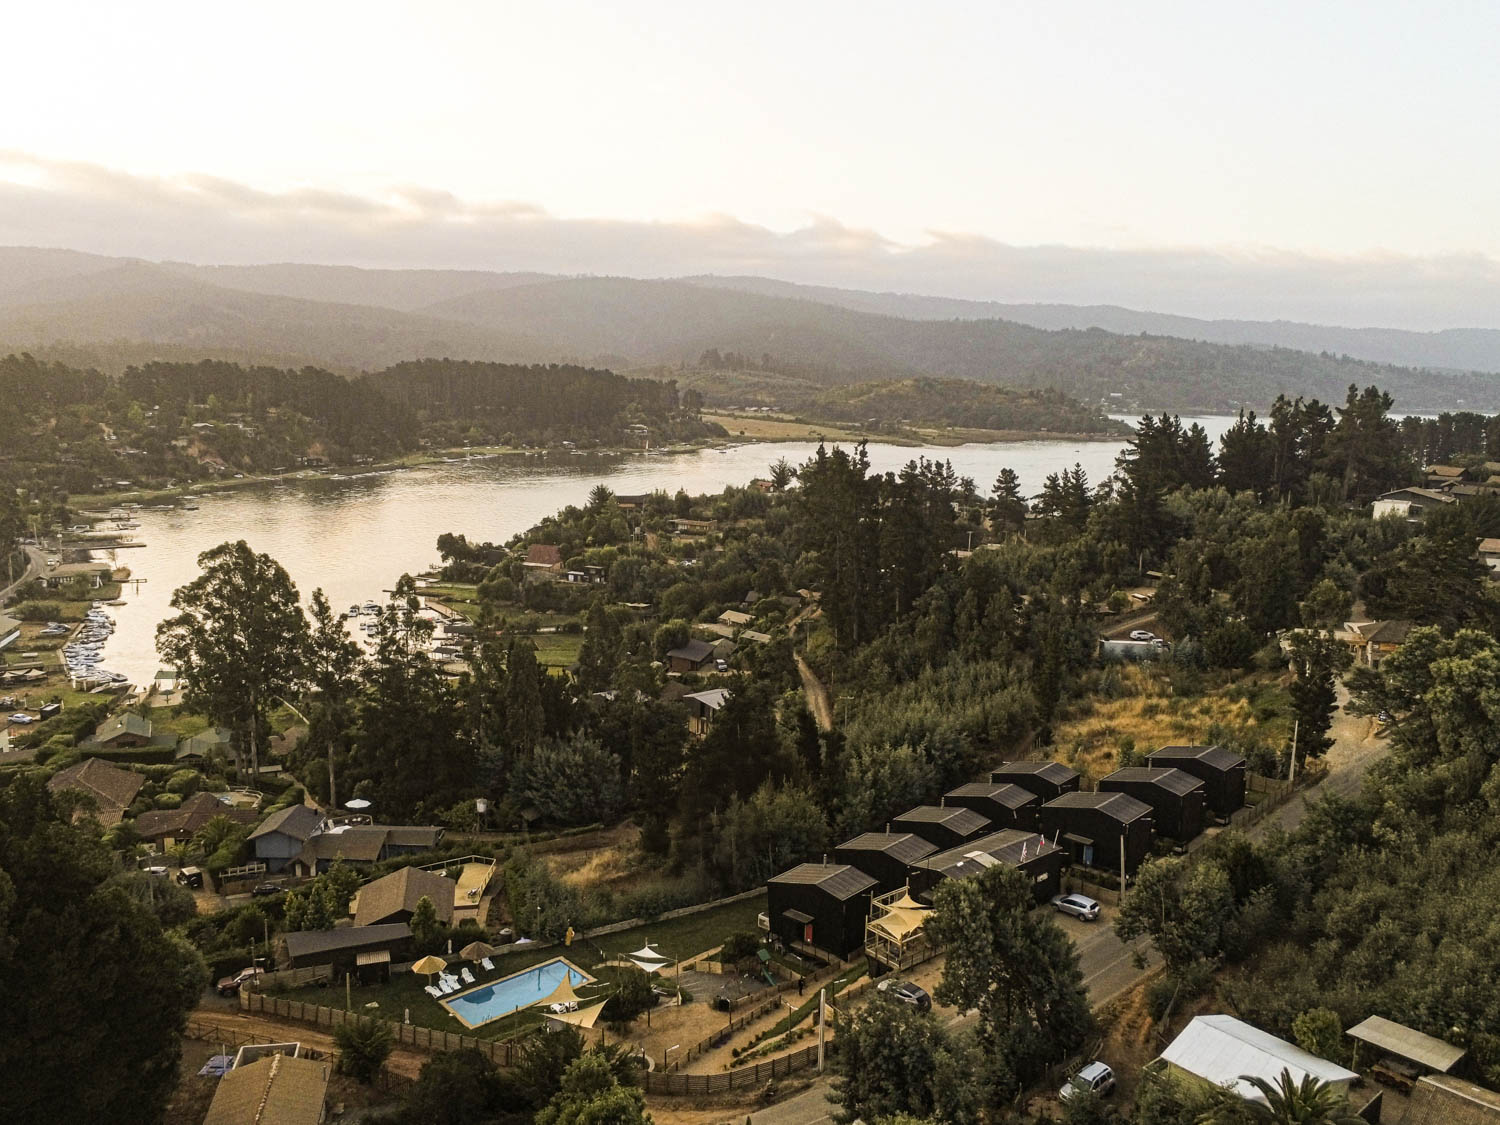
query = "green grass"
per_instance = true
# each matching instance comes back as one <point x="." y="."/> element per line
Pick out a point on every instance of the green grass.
<point x="177" y="722"/>
<point x="557" y="650"/>
<point x="678" y="937"/>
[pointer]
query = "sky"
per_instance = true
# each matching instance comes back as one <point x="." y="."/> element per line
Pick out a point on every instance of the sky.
<point x="896" y="145"/>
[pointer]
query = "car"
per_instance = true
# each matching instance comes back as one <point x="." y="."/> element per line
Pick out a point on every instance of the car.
<point x="1096" y="1078"/>
<point x="907" y="993"/>
<point x="721" y="665"/>
<point x="1080" y="906"/>
<point x="264" y="890"/>
<point x="1142" y="635"/>
<point x="230" y="985"/>
<point x="157" y="871"/>
<point x="20" y="718"/>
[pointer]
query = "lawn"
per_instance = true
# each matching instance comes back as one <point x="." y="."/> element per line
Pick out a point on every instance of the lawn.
<point x="677" y="937"/>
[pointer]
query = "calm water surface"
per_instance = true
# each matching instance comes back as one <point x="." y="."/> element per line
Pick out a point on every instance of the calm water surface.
<point x="354" y="537"/>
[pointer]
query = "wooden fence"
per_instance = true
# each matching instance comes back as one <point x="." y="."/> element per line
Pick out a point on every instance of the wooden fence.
<point x="702" y="1085"/>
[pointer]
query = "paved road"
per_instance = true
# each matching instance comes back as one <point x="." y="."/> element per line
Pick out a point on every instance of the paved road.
<point x="36" y="561"/>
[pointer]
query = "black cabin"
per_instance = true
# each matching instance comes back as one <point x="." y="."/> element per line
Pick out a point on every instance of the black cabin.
<point x="1041" y="860"/>
<point x="1090" y="826"/>
<point x="1176" y="798"/>
<point x="824" y="905"/>
<point x="1221" y="771"/>
<point x="1004" y="805"/>
<point x="942" y="827"/>
<point x="1048" y="780"/>
<point x="886" y="857"/>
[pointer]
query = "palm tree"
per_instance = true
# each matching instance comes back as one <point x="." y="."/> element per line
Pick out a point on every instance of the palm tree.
<point x="1308" y="1102"/>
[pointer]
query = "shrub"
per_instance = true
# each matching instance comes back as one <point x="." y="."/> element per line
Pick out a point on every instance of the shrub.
<point x="363" y="1045"/>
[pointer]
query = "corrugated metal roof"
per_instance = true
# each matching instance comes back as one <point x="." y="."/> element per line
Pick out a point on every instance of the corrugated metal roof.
<point x="905" y="847"/>
<point x="837" y="879"/>
<point x="1055" y="772"/>
<point x="1004" y="846"/>
<point x="1122" y="806"/>
<point x="951" y="816"/>
<point x="1223" y="1050"/>
<point x="1163" y="777"/>
<point x="1216" y="756"/>
<point x="1407" y="1042"/>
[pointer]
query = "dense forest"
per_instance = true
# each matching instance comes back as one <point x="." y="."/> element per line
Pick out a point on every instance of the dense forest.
<point x="960" y="403"/>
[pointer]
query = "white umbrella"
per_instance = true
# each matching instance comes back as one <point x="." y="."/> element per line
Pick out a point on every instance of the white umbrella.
<point x="357" y="803"/>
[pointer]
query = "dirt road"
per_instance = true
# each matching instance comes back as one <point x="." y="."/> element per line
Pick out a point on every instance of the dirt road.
<point x="232" y="1027"/>
<point x="817" y="694"/>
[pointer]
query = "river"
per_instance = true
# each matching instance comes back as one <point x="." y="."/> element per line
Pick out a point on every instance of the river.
<point x="355" y="536"/>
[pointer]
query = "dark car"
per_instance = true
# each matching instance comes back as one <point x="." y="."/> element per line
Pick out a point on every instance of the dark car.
<point x="230" y="985"/>
<point x="907" y="993"/>
<point x="263" y="890"/>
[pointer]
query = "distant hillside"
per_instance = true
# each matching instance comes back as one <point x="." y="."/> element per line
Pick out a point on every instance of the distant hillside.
<point x="956" y="402"/>
<point x="72" y="307"/>
<point x="1458" y="349"/>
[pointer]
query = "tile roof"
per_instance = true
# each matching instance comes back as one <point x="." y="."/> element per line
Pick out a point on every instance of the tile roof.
<point x="112" y="786"/>
<point x="189" y="818"/>
<point x="276" y="1090"/>
<point x="297" y="821"/>
<point x="838" y="879"/>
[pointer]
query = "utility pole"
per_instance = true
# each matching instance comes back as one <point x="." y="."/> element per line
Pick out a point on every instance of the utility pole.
<point x="822" y="1024"/>
<point x="1122" y="868"/>
<point x="1292" y="769"/>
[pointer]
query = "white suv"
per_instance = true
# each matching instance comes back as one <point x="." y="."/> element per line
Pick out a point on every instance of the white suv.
<point x="1096" y="1078"/>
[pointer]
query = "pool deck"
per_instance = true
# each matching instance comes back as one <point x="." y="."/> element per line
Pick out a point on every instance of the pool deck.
<point x="445" y="1001"/>
<point x="468" y="891"/>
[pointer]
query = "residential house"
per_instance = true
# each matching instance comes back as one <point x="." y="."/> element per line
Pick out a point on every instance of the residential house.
<point x="164" y="828"/>
<point x="1176" y="797"/>
<point x="1048" y="780"/>
<point x="93" y="575"/>
<point x="704" y="706"/>
<point x="823" y="905"/>
<point x="362" y="844"/>
<point x="1099" y="829"/>
<point x="277" y="1089"/>
<point x="112" y="789"/>
<point x="723" y="650"/>
<point x="1439" y="476"/>
<point x="342" y="947"/>
<point x="394" y="897"/>
<point x="204" y="745"/>
<point x="1041" y="861"/>
<point x="1375" y="640"/>
<point x="887" y="857"/>
<point x="1221" y="771"/>
<point x="734" y="617"/>
<point x="693" y="527"/>
<point x="1003" y="805"/>
<point x="1224" y="1052"/>
<point x="123" y="730"/>
<point x="10" y="631"/>
<point x="280" y="838"/>
<point x="543" y="562"/>
<point x="752" y="635"/>
<point x="1489" y="555"/>
<point x="632" y="503"/>
<point x="1410" y="504"/>
<point x="693" y="656"/>
<point x="941" y="826"/>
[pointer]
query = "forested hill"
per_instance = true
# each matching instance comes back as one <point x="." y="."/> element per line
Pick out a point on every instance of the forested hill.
<point x="957" y="402"/>
<point x="111" y="312"/>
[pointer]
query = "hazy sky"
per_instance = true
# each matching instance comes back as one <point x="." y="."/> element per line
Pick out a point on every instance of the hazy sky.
<point x="1357" y="132"/>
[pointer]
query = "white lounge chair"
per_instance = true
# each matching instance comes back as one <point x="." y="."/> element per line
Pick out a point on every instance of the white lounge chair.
<point x="432" y="990"/>
<point x="468" y="976"/>
<point x="447" y="985"/>
<point x="489" y="966"/>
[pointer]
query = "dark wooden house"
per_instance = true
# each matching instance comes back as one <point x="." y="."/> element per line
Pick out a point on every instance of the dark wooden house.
<point x="824" y="905"/>
<point x="943" y="827"/>
<point x="1041" y="860"/>
<point x="887" y="857"/>
<point x="1221" y="771"/>
<point x="1091" y="826"/>
<point x="1176" y="797"/>
<point x="1002" y="804"/>
<point x="1048" y="780"/>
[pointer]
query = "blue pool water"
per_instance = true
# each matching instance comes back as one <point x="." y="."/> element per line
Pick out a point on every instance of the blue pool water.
<point x="512" y="993"/>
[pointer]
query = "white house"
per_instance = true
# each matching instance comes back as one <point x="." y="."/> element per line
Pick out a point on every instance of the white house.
<point x="1223" y="1051"/>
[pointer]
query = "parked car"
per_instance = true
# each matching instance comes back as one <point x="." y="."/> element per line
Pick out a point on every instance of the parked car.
<point x="20" y="718"/>
<point x="1080" y="906"/>
<point x="1096" y="1078"/>
<point x="1142" y="635"/>
<point x="907" y="993"/>
<point x="721" y="665"/>
<point x="264" y="890"/>
<point x="190" y="877"/>
<point x="230" y="985"/>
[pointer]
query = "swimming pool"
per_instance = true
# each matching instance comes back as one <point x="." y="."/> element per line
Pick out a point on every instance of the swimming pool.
<point x="510" y="994"/>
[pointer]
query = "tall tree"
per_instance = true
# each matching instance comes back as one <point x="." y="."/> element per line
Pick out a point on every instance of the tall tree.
<point x="239" y="639"/>
<point x="1317" y="659"/>
<point x="1007" y="505"/>
<point x="108" y="1051"/>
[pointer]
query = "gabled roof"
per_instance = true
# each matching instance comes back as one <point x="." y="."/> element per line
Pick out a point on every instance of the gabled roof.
<point x="204" y="742"/>
<point x="1054" y="772"/>
<point x="904" y="847"/>
<point x="713" y="698"/>
<point x="1220" y="1049"/>
<point x="189" y="817"/>
<point x="955" y="817"/>
<point x="1001" y="792"/>
<point x="297" y="821"/>
<point x="1215" y="756"/>
<point x="694" y="652"/>
<point x="402" y="890"/>
<point x="127" y="722"/>
<point x="1451" y="471"/>
<point x="543" y="554"/>
<point x="1389" y="632"/>
<point x="1005" y="846"/>
<point x="276" y="1090"/>
<point x="302" y="943"/>
<point x="358" y="843"/>
<point x="1119" y="806"/>
<point x="1171" y="780"/>
<point x="112" y="786"/>
<point x="735" y="617"/>
<point x="1486" y="547"/>
<point x="836" y="879"/>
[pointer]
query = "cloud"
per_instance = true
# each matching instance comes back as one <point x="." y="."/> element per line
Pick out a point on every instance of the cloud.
<point x="211" y="220"/>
